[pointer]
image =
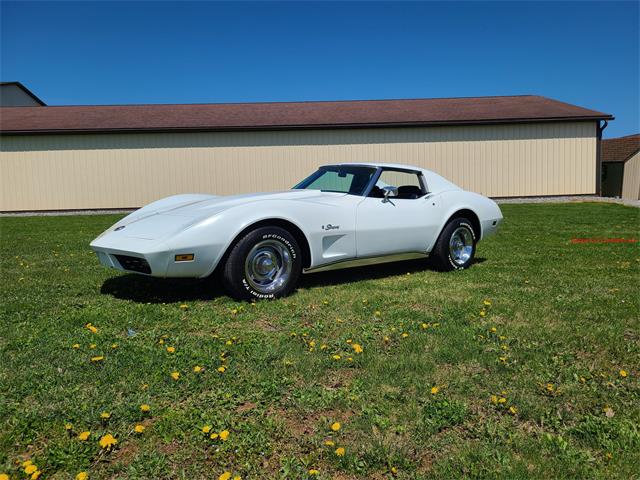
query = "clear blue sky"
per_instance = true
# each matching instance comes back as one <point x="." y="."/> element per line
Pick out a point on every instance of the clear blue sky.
<point x="114" y="53"/>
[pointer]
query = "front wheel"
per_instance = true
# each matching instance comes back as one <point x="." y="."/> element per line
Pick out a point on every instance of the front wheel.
<point x="265" y="263"/>
<point x="455" y="247"/>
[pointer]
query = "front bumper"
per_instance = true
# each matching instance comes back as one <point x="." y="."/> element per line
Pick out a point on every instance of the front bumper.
<point x="148" y="258"/>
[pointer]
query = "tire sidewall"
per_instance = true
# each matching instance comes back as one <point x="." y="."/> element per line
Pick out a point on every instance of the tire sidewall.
<point x="455" y="224"/>
<point x="247" y="243"/>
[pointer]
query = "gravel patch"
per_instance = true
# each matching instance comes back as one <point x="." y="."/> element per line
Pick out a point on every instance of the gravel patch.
<point x="569" y="199"/>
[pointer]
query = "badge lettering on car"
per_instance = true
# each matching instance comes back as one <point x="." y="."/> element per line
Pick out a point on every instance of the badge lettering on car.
<point x="328" y="226"/>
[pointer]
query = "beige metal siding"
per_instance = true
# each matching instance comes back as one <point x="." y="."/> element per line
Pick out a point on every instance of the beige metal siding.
<point x="631" y="179"/>
<point x="128" y="170"/>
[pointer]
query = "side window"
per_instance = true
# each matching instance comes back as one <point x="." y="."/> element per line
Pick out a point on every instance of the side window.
<point x="409" y="185"/>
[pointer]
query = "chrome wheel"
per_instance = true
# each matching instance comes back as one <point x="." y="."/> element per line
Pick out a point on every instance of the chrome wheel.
<point x="268" y="266"/>
<point x="461" y="246"/>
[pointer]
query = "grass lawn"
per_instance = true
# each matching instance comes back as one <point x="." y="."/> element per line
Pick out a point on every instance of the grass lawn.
<point x="526" y="365"/>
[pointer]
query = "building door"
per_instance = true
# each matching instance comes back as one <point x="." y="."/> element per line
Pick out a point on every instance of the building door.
<point x="612" y="175"/>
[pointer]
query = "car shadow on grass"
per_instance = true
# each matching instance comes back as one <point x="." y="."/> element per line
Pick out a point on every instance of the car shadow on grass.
<point x="139" y="288"/>
<point x="369" y="272"/>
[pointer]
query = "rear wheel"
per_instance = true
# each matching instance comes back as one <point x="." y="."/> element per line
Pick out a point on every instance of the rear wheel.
<point x="455" y="247"/>
<point x="264" y="263"/>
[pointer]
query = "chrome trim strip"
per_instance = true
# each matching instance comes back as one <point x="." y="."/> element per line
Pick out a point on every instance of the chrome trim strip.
<point x="361" y="262"/>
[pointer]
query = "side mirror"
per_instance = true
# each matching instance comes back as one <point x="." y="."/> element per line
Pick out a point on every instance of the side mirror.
<point x="389" y="191"/>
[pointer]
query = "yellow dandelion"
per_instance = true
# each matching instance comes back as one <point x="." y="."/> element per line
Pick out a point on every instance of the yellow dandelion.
<point x="184" y="306"/>
<point x="623" y="373"/>
<point x="99" y="358"/>
<point x="206" y="429"/>
<point x="424" y="326"/>
<point x="503" y="359"/>
<point x="197" y="369"/>
<point x="335" y="426"/>
<point x="29" y="469"/>
<point x="329" y="443"/>
<point x="549" y="387"/>
<point x="486" y="303"/>
<point x="107" y="441"/>
<point x="171" y="349"/>
<point x="228" y="342"/>
<point x="91" y="328"/>
<point x="114" y="346"/>
<point x="336" y="357"/>
<point x="213" y="436"/>
<point x="84" y="436"/>
<point x="494" y="329"/>
<point x="161" y="341"/>
<point x="405" y="335"/>
<point x="68" y="426"/>
<point x="145" y="408"/>
<point x="138" y="428"/>
<point x="386" y="339"/>
<point x="494" y="399"/>
<point x="434" y="390"/>
<point x="35" y="475"/>
<point x="175" y="375"/>
<point x="237" y="477"/>
<point x="82" y="476"/>
<point x="225" y="476"/>
<point x="513" y="410"/>
<point x="4" y="476"/>
<point x="502" y="400"/>
<point x="105" y="415"/>
<point x="340" y="451"/>
<point x="394" y="470"/>
<point x="313" y="471"/>
<point x="221" y="368"/>
<point x="75" y="346"/>
<point x="224" y="435"/>
<point x="324" y="346"/>
<point x="349" y="340"/>
<point x="377" y="313"/>
<point x="483" y="313"/>
<point x="357" y="348"/>
<point x="92" y="346"/>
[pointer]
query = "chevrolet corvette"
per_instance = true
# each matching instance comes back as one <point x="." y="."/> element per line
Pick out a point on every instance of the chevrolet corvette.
<point x="341" y="215"/>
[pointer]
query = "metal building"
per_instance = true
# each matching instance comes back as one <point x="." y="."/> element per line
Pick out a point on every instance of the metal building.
<point x="621" y="167"/>
<point x="90" y="157"/>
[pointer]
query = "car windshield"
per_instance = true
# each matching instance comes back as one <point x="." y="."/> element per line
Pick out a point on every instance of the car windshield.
<point x="351" y="179"/>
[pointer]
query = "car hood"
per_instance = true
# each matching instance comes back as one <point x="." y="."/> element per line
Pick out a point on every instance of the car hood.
<point x="212" y="205"/>
<point x="172" y="215"/>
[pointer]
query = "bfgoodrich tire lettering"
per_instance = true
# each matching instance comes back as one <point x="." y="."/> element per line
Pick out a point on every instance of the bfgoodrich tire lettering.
<point x="264" y="264"/>
<point x="456" y="246"/>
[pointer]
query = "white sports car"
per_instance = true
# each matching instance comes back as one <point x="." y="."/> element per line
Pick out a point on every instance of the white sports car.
<point x="341" y="215"/>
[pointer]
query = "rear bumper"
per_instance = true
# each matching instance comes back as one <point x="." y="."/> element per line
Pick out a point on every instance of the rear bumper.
<point x="489" y="227"/>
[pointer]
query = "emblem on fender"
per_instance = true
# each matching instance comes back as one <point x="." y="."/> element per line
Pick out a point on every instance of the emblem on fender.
<point x="328" y="226"/>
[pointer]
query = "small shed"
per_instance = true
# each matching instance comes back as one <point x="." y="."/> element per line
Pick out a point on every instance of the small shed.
<point x="621" y="167"/>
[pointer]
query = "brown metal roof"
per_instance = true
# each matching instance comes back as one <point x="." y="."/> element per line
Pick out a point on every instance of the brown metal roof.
<point x="294" y="115"/>
<point x="620" y="149"/>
